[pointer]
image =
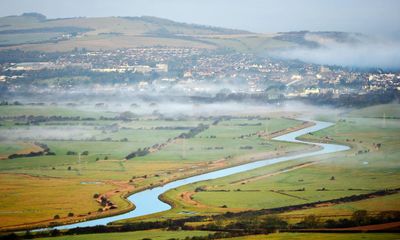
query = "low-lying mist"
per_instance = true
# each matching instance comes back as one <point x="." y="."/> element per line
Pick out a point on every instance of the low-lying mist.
<point x="45" y="133"/>
<point x="360" y="52"/>
<point x="84" y="130"/>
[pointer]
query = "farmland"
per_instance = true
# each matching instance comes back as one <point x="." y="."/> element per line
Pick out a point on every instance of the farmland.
<point x="151" y="234"/>
<point x="324" y="236"/>
<point x="35" y="32"/>
<point x="87" y="157"/>
<point x="199" y="120"/>
<point x="85" y="154"/>
<point x="366" y="168"/>
<point x="164" y="235"/>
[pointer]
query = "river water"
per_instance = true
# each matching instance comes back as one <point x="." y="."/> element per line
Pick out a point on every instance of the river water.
<point x="147" y="201"/>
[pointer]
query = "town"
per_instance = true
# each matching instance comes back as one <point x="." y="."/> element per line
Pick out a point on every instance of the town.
<point x="219" y="74"/>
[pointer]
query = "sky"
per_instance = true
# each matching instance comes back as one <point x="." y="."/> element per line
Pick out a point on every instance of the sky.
<point x="263" y="16"/>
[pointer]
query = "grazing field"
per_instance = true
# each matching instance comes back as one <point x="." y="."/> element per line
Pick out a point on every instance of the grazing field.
<point x="322" y="236"/>
<point x="26" y="199"/>
<point x="33" y="33"/>
<point x="373" y="205"/>
<point x="378" y="111"/>
<point x="371" y="165"/>
<point x="257" y="44"/>
<point x="85" y="154"/>
<point x="150" y="234"/>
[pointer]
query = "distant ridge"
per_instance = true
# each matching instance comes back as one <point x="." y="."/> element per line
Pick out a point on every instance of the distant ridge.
<point x="34" y="31"/>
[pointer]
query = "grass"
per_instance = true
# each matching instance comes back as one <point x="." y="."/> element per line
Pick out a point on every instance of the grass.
<point x="28" y="180"/>
<point x="258" y="44"/>
<point x="361" y="170"/>
<point x="150" y="234"/>
<point x="227" y="141"/>
<point x="133" y="32"/>
<point x="16" y="39"/>
<point x="49" y="111"/>
<point x="354" y="173"/>
<point x="7" y="148"/>
<point x="378" y="111"/>
<point x="374" y="206"/>
<point x="322" y="236"/>
<point x="27" y="199"/>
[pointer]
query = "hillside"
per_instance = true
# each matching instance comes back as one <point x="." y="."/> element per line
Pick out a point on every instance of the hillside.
<point x="33" y="31"/>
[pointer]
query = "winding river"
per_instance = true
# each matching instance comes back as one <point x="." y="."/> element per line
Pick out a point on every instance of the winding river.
<point x="147" y="201"/>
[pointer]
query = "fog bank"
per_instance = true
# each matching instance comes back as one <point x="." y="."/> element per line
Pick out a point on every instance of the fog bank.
<point x="363" y="52"/>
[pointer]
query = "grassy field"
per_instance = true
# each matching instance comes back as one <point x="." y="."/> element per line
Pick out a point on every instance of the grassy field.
<point x="257" y="44"/>
<point x="322" y="236"/>
<point x="118" y="32"/>
<point x="27" y="199"/>
<point x="151" y="234"/>
<point x="378" y="111"/>
<point x="164" y="235"/>
<point x="103" y="170"/>
<point x="51" y="111"/>
<point x="363" y="169"/>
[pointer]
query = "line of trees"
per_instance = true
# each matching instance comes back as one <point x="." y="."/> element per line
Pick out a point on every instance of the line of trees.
<point x="45" y="151"/>
<point x="194" y="131"/>
<point x="239" y="226"/>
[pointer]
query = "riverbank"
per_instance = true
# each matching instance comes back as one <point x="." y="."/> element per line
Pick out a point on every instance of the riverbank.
<point x="147" y="201"/>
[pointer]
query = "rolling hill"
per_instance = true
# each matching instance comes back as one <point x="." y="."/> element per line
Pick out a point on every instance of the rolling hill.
<point x="33" y="31"/>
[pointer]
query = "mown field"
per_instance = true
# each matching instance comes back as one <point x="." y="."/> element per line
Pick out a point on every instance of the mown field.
<point x="88" y="157"/>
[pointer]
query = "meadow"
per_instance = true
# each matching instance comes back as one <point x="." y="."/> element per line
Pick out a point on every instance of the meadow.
<point x="164" y="235"/>
<point x="107" y="33"/>
<point x="88" y="157"/>
<point x="150" y="234"/>
<point x="371" y="165"/>
<point x="322" y="236"/>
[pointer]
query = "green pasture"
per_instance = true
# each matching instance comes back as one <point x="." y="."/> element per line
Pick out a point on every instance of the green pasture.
<point x="149" y="234"/>
<point x="360" y="170"/>
<point x="322" y="236"/>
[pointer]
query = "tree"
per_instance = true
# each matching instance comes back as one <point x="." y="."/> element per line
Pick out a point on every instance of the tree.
<point x="57" y="216"/>
<point x="310" y="221"/>
<point x="360" y="217"/>
<point x="70" y="214"/>
<point x="28" y="235"/>
<point x="55" y="232"/>
<point x="273" y="222"/>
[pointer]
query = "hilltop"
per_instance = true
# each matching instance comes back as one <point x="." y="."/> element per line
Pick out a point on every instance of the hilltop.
<point x="34" y="31"/>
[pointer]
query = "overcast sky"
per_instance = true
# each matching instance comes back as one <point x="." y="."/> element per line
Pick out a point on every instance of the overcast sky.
<point x="368" y="16"/>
